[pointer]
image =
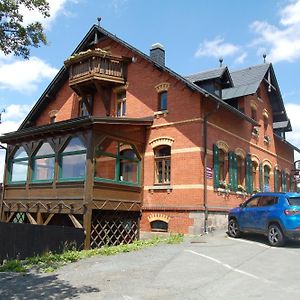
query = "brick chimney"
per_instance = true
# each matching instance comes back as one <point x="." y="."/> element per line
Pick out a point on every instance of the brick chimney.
<point x="157" y="53"/>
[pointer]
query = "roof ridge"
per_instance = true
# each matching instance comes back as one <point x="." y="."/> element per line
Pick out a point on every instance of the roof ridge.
<point x="250" y="67"/>
<point x="209" y="70"/>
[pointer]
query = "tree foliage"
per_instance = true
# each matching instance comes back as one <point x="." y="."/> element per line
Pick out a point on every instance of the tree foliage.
<point x="15" y="36"/>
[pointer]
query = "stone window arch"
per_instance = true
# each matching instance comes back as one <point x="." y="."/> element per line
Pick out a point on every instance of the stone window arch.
<point x="159" y="222"/>
<point x="164" y="140"/>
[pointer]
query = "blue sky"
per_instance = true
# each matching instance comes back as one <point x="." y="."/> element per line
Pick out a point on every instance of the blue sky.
<point x="195" y="33"/>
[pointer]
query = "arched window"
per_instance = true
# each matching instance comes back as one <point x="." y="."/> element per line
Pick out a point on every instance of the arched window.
<point x="116" y="162"/>
<point x="128" y="168"/>
<point x="222" y="162"/>
<point x="43" y="163"/>
<point x="163" y="100"/>
<point x="240" y="170"/>
<point x="266" y="185"/>
<point x="159" y="225"/>
<point x="19" y="166"/>
<point x="73" y="160"/>
<point x="162" y="156"/>
<point x="254" y="175"/>
<point x="121" y="104"/>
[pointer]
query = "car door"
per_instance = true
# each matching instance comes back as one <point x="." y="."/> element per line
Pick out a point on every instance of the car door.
<point x="265" y="209"/>
<point x="247" y="214"/>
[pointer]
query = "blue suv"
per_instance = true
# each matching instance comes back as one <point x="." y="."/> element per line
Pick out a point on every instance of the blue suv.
<point x="276" y="215"/>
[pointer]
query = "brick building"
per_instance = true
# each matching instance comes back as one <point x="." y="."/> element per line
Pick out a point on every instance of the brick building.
<point x="118" y="144"/>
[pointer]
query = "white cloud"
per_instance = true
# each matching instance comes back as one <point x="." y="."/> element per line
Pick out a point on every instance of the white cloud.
<point x="11" y="120"/>
<point x="240" y="59"/>
<point x="291" y="14"/>
<point x="14" y="112"/>
<point x="56" y="7"/>
<point x="283" y="43"/>
<point x="293" y="112"/>
<point x="24" y="75"/>
<point x="118" y="4"/>
<point x="216" y="48"/>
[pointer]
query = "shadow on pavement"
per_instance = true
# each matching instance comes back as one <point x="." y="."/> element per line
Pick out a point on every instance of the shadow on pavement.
<point x="35" y="286"/>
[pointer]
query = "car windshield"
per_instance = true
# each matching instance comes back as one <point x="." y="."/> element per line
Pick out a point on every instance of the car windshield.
<point x="294" y="201"/>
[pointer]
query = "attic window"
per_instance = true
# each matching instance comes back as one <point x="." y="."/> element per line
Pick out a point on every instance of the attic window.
<point x="163" y="101"/>
<point x="253" y="113"/>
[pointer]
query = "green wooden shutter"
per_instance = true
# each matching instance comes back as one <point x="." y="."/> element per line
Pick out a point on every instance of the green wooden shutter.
<point x="283" y="181"/>
<point x="230" y="159"/>
<point x="261" y="178"/>
<point x="233" y="171"/>
<point x="249" y="179"/>
<point x="275" y="180"/>
<point x="216" y="162"/>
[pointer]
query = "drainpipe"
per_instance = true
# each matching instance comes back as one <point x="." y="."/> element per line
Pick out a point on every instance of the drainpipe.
<point x="205" y="162"/>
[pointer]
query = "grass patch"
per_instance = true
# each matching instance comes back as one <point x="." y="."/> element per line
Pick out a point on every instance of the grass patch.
<point x="51" y="261"/>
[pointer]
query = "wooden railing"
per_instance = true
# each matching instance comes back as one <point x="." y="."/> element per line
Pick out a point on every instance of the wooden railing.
<point x="112" y="69"/>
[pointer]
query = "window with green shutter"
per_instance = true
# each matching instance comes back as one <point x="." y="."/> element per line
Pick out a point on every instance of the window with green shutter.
<point x="283" y="180"/>
<point x="233" y="171"/>
<point x="266" y="174"/>
<point x="249" y="181"/>
<point x="275" y="180"/>
<point x="216" y="163"/>
<point x="261" y="179"/>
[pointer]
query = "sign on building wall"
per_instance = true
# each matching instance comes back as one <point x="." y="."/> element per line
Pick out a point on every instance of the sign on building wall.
<point x="209" y="173"/>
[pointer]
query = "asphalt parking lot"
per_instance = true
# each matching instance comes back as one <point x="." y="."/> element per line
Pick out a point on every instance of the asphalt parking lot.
<point x="208" y="267"/>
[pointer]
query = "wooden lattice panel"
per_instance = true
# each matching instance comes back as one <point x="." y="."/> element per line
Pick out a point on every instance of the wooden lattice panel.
<point x="113" y="228"/>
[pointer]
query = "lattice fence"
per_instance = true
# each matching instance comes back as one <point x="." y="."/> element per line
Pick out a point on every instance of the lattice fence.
<point x="113" y="228"/>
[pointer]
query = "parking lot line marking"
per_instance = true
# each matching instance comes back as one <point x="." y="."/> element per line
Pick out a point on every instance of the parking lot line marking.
<point x="251" y="242"/>
<point x="227" y="266"/>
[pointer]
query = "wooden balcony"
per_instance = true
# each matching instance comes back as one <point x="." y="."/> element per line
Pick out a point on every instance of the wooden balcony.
<point x="96" y="65"/>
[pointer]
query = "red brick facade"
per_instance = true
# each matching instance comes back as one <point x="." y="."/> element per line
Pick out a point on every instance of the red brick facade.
<point x="181" y="127"/>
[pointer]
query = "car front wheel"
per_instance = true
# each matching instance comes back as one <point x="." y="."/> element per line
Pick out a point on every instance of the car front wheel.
<point x="233" y="229"/>
<point x="275" y="236"/>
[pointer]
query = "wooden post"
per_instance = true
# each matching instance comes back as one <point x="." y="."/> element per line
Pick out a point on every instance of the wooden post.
<point x="88" y="189"/>
<point x="39" y="219"/>
<point x="5" y="179"/>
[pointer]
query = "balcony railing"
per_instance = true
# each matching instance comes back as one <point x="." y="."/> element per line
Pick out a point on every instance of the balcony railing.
<point x="96" y="64"/>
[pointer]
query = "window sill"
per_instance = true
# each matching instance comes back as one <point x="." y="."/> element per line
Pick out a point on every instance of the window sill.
<point x="160" y="188"/>
<point x="38" y="184"/>
<point x="160" y="113"/>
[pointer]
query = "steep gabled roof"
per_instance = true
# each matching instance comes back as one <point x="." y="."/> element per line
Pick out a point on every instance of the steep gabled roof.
<point x="95" y="34"/>
<point x="245" y="81"/>
<point x="206" y="75"/>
